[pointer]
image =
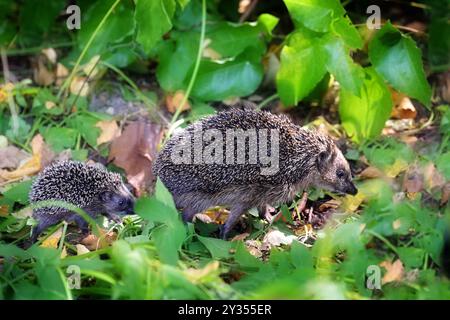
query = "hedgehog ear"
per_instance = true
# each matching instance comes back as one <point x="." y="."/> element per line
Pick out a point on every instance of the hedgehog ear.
<point x="323" y="159"/>
<point x="105" y="196"/>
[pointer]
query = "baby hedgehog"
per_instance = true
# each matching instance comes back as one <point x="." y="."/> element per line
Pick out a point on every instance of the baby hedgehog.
<point x="89" y="187"/>
<point x="244" y="159"/>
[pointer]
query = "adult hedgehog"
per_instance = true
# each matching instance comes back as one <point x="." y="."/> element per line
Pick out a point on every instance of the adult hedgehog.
<point x="212" y="162"/>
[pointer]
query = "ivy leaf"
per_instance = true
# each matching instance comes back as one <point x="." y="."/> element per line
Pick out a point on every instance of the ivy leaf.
<point x="339" y="63"/>
<point x="60" y="138"/>
<point x="399" y="61"/>
<point x="347" y="31"/>
<point x="364" y="116"/>
<point x="235" y="78"/>
<point x="315" y="14"/>
<point x="302" y="67"/>
<point x="153" y="19"/>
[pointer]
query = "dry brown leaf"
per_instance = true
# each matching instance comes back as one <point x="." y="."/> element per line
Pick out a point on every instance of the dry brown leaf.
<point x="394" y="271"/>
<point x="240" y="237"/>
<point x="413" y="180"/>
<point x="174" y="101"/>
<point x="43" y="76"/>
<point x="11" y="157"/>
<point x="432" y="177"/>
<point x="53" y="239"/>
<point x="134" y="152"/>
<point x="29" y="168"/>
<point x="330" y="204"/>
<point x="79" y="86"/>
<point x="403" y="107"/>
<point x="50" y="54"/>
<point x="109" y="131"/>
<point x="371" y="172"/>
<point x="92" y="242"/>
<point x="39" y="147"/>
<point x="49" y="105"/>
<point x="61" y="74"/>
<point x="277" y="238"/>
<point x="4" y="208"/>
<point x="445" y="193"/>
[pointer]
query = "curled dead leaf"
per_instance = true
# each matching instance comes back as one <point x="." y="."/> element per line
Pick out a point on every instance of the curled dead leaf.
<point x="92" y="242"/>
<point x="175" y="100"/>
<point x="394" y="271"/>
<point x="42" y="75"/>
<point x="403" y="107"/>
<point x="50" y="54"/>
<point x="61" y="74"/>
<point x="81" y="249"/>
<point x="79" y="86"/>
<point x="413" y="179"/>
<point x="11" y="157"/>
<point x="53" y="239"/>
<point x="371" y="173"/>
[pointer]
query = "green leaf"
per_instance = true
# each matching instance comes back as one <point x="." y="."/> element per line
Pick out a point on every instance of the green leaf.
<point x="443" y="164"/>
<point x="153" y="19"/>
<point x="339" y="63"/>
<point x="23" y="128"/>
<point x="411" y="257"/>
<point x="85" y="125"/>
<point x="59" y="138"/>
<point x="398" y="60"/>
<point x="118" y="27"/>
<point x="19" y="192"/>
<point x="230" y="40"/>
<point x="220" y="81"/>
<point x="170" y="234"/>
<point x="176" y="60"/>
<point x="302" y="67"/>
<point x="219" y="249"/>
<point x="347" y="31"/>
<point x="300" y="256"/>
<point x="268" y="22"/>
<point x="363" y="117"/>
<point x="314" y="14"/>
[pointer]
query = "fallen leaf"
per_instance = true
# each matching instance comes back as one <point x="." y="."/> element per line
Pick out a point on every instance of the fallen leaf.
<point x="394" y="271"/>
<point x="174" y="101"/>
<point x="396" y="224"/>
<point x="11" y="157"/>
<point x="351" y="203"/>
<point x="277" y="238"/>
<point x="40" y="148"/>
<point x="50" y="54"/>
<point x="92" y="242"/>
<point x="49" y="105"/>
<point x="4" y="210"/>
<point x="79" y="86"/>
<point x="240" y="237"/>
<point x="432" y="177"/>
<point x="53" y="239"/>
<point x="396" y="168"/>
<point x="217" y="215"/>
<point x="81" y="249"/>
<point x="109" y="131"/>
<point x="200" y="275"/>
<point x="254" y="248"/>
<point x="42" y="75"/>
<point x="445" y="194"/>
<point x="134" y="152"/>
<point x="90" y="69"/>
<point x="61" y="73"/>
<point x="371" y="173"/>
<point x="330" y="204"/>
<point x="403" y="107"/>
<point x="413" y="180"/>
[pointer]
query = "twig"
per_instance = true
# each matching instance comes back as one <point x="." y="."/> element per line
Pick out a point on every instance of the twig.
<point x="248" y="11"/>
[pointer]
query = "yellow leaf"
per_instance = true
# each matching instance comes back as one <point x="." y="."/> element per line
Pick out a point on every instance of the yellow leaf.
<point x="173" y="102"/>
<point x="351" y="203"/>
<point x="398" y="166"/>
<point x="109" y="131"/>
<point x="197" y="275"/>
<point x="81" y="249"/>
<point x="53" y="239"/>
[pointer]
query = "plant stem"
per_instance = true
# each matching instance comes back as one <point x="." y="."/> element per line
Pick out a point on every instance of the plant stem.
<point x="267" y="100"/>
<point x="196" y="67"/>
<point x="86" y="47"/>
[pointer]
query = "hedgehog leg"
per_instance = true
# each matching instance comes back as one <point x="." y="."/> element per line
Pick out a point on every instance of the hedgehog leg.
<point x="188" y="214"/>
<point x="82" y="224"/>
<point x="233" y="217"/>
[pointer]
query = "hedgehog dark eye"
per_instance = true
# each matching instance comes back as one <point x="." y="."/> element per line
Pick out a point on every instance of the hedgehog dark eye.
<point x="121" y="202"/>
<point x="340" y="173"/>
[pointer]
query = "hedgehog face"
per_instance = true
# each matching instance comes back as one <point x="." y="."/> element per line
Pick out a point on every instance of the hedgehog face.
<point x="120" y="201"/>
<point x="334" y="172"/>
